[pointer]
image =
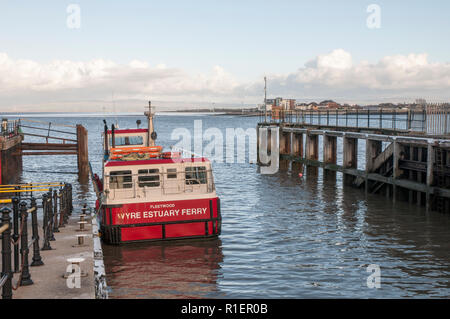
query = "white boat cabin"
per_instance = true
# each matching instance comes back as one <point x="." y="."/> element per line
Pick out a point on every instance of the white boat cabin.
<point x="155" y="179"/>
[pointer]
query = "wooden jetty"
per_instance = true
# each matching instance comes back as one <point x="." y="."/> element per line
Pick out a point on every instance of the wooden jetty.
<point x="10" y="141"/>
<point x="48" y="139"/>
<point x="406" y="158"/>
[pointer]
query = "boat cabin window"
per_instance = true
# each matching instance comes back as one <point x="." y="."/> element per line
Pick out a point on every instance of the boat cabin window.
<point x="171" y="173"/>
<point x="148" y="178"/>
<point x="120" y="179"/>
<point x="195" y="175"/>
<point x="127" y="140"/>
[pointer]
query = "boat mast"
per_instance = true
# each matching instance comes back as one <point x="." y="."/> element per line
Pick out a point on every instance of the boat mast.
<point x="265" y="99"/>
<point x="151" y="134"/>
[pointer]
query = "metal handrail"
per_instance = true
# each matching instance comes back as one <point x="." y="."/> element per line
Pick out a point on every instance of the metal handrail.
<point x="43" y="122"/>
<point x="432" y="119"/>
<point x="46" y="129"/>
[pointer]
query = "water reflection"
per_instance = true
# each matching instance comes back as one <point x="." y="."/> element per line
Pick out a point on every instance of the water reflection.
<point x="187" y="269"/>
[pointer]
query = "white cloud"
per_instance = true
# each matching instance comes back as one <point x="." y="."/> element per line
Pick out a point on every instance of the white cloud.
<point x="29" y="84"/>
<point x="334" y="75"/>
<point x="99" y="80"/>
<point x="338" y="59"/>
<point x="136" y="64"/>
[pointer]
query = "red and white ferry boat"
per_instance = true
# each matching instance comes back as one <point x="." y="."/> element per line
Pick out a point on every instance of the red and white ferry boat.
<point x="146" y="194"/>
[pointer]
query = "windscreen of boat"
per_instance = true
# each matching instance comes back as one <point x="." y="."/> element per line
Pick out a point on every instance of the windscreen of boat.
<point x="195" y="175"/>
<point x="127" y="140"/>
<point x="148" y="178"/>
<point x="172" y="173"/>
<point x="120" y="179"/>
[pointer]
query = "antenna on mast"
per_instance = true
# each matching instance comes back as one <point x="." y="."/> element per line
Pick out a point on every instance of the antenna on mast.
<point x="265" y="99"/>
<point x="151" y="134"/>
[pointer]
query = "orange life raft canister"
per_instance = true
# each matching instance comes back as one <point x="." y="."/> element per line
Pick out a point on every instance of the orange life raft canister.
<point x="151" y="151"/>
<point x="171" y="155"/>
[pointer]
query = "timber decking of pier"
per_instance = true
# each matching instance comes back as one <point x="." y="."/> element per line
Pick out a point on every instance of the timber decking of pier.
<point x="414" y="166"/>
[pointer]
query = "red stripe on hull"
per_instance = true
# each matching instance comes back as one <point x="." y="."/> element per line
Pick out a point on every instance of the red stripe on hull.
<point x="162" y="220"/>
<point x="185" y="230"/>
<point x="141" y="233"/>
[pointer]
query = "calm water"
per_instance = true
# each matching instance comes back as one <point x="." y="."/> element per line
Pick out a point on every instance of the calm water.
<point x="282" y="236"/>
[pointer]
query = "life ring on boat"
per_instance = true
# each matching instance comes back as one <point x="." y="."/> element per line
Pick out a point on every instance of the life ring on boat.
<point x="168" y="155"/>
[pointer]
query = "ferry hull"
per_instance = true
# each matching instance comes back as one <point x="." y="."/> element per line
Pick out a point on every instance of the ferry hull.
<point x="158" y="221"/>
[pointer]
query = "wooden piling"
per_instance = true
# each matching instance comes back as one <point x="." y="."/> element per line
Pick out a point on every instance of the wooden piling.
<point x="373" y="149"/>
<point x="284" y="143"/>
<point x="312" y="146"/>
<point x="297" y="144"/>
<point x="350" y="158"/>
<point x="82" y="155"/>
<point x="429" y="179"/>
<point x="329" y="149"/>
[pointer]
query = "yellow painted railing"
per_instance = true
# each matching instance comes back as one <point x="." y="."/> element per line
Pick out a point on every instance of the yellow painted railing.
<point x="25" y="190"/>
<point x="31" y="185"/>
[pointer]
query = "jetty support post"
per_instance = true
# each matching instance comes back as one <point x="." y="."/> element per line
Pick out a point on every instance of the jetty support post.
<point x="329" y="153"/>
<point x="284" y="147"/>
<point x="373" y="149"/>
<point x="284" y="142"/>
<point x="398" y="154"/>
<point x="429" y="178"/>
<point x="82" y="152"/>
<point x="312" y="152"/>
<point x="312" y="146"/>
<point x="297" y="150"/>
<point x="329" y="149"/>
<point x="350" y="157"/>
<point x="297" y="144"/>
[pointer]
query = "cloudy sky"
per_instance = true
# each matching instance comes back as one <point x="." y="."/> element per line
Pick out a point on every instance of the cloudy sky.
<point x="115" y="55"/>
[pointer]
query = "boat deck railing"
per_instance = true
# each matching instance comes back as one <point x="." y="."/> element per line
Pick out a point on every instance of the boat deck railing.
<point x="158" y="184"/>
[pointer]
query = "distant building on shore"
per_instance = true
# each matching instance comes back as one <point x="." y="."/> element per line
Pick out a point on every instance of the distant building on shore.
<point x="279" y="104"/>
<point x="329" y="104"/>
